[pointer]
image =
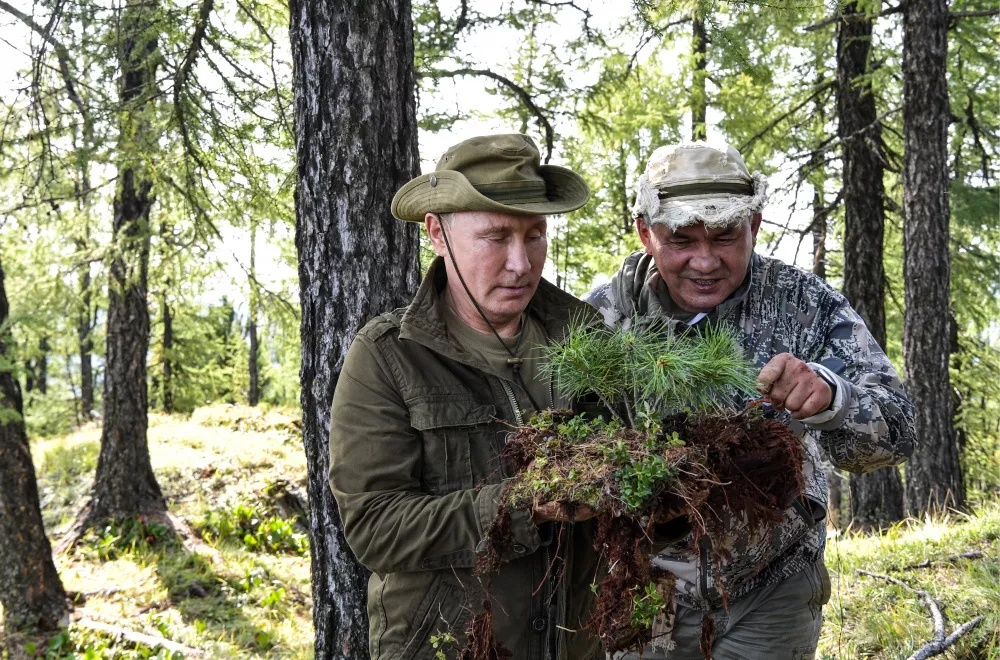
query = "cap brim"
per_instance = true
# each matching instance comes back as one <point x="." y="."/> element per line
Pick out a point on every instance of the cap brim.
<point x="565" y="191"/>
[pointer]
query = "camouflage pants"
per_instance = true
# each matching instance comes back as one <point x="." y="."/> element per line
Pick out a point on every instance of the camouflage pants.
<point x="775" y="622"/>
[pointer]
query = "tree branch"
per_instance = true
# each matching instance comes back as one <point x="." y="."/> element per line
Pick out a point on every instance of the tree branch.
<point x="180" y="79"/>
<point x="819" y="90"/>
<point x="61" y="54"/>
<point x="521" y="93"/>
<point x="940" y="643"/>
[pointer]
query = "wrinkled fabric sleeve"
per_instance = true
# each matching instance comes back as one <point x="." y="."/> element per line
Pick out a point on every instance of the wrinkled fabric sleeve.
<point x="375" y="468"/>
<point x="873" y="424"/>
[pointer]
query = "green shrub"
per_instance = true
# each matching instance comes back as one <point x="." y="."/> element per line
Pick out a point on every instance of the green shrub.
<point x="257" y="532"/>
<point x="249" y="418"/>
<point x="117" y="539"/>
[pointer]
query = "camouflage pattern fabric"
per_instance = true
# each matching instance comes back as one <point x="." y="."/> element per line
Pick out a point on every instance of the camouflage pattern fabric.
<point x="780" y="309"/>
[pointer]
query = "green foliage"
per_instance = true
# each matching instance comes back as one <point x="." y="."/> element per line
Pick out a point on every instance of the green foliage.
<point x="647" y="604"/>
<point x="119" y="538"/>
<point x="78" y="643"/>
<point x="440" y="642"/>
<point x="256" y="532"/>
<point x="245" y="419"/>
<point x="642" y="368"/>
<point x="640" y="479"/>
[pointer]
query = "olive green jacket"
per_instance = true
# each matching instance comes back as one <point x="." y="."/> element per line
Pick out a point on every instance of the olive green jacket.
<point x="416" y="432"/>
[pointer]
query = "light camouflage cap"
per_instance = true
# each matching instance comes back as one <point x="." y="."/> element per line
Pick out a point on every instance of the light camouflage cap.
<point x="692" y="182"/>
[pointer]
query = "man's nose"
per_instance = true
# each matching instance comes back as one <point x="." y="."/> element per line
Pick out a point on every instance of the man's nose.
<point x="704" y="260"/>
<point x="517" y="259"/>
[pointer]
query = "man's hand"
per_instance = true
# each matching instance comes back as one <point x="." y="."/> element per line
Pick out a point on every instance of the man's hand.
<point x="559" y="512"/>
<point x="793" y="386"/>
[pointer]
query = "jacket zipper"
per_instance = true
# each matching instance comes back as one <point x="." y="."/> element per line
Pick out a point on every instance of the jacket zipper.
<point x="518" y="417"/>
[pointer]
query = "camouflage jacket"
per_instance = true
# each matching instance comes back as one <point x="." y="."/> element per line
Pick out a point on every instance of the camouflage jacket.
<point x="869" y="425"/>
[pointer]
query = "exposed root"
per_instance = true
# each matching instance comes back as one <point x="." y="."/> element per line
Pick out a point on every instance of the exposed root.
<point x="480" y="641"/>
<point x="707" y="636"/>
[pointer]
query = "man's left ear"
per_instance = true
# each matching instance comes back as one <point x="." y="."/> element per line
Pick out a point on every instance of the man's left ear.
<point x="755" y="226"/>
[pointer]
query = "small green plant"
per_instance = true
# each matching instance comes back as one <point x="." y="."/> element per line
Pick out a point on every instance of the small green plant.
<point x="639" y="478"/>
<point x="642" y="368"/>
<point x="118" y="538"/>
<point x="257" y="532"/>
<point x="440" y="642"/>
<point x="647" y="604"/>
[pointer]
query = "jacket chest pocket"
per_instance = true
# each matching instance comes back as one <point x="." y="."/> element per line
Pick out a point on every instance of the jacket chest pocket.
<point x="458" y="441"/>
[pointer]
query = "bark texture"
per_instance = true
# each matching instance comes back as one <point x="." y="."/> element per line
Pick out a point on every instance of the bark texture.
<point x="125" y="485"/>
<point x="253" y="396"/>
<point x="356" y="144"/>
<point x="30" y="590"/>
<point x="876" y="497"/>
<point x="933" y="474"/>
<point x="699" y="95"/>
<point x="168" y="359"/>
<point x="84" y="326"/>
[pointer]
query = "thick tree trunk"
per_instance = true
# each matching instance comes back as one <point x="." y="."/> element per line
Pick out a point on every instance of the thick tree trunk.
<point x="933" y="474"/>
<point x="356" y="144"/>
<point x="699" y="96"/>
<point x="125" y="485"/>
<point x="168" y="360"/>
<point x="877" y="497"/>
<point x="253" y="395"/>
<point x="30" y="590"/>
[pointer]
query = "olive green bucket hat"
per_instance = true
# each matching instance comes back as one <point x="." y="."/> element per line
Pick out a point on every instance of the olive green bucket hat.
<point x="499" y="173"/>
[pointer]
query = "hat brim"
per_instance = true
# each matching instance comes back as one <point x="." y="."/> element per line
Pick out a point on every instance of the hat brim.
<point x="565" y="191"/>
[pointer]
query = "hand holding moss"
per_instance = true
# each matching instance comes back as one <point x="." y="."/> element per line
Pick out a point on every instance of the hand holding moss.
<point x="792" y="385"/>
<point x="560" y="512"/>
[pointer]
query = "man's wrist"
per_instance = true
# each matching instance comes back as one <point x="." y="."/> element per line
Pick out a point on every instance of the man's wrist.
<point x="834" y="414"/>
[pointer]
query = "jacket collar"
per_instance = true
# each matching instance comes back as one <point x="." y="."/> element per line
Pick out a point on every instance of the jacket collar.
<point x="424" y="321"/>
<point x="635" y="287"/>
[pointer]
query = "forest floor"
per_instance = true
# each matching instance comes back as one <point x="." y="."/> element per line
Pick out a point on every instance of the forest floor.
<point x="236" y="477"/>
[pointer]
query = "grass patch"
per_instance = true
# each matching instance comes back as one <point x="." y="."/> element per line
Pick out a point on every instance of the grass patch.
<point x="868" y="618"/>
<point x="227" y="601"/>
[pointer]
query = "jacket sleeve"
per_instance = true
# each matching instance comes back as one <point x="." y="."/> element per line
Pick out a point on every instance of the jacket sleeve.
<point x="375" y="469"/>
<point x="870" y="424"/>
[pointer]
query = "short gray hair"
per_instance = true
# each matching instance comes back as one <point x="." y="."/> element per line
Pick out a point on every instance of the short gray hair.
<point x="447" y="218"/>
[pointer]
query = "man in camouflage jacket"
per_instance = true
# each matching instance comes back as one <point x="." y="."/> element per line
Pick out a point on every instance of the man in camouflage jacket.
<point x="697" y="212"/>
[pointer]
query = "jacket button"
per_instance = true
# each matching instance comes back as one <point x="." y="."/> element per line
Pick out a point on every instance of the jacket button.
<point x="539" y="624"/>
<point x="434" y="181"/>
<point x="519" y="549"/>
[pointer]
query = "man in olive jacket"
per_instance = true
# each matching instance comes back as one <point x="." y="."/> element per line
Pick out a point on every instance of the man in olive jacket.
<point x="426" y="398"/>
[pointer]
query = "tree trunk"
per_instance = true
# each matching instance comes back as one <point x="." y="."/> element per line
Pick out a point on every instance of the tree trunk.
<point x="83" y="329"/>
<point x="254" y="394"/>
<point x="876" y="497"/>
<point x="699" y="96"/>
<point x="125" y="485"/>
<point x="819" y="234"/>
<point x="933" y="474"/>
<point x="42" y="365"/>
<point x="30" y="590"/>
<point x="356" y="144"/>
<point x="168" y="360"/>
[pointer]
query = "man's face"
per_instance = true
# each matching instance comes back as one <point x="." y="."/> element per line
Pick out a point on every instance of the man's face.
<point x="500" y="257"/>
<point x="700" y="266"/>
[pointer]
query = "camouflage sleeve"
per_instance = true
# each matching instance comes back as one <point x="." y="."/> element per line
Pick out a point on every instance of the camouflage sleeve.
<point x="602" y="298"/>
<point x="872" y="424"/>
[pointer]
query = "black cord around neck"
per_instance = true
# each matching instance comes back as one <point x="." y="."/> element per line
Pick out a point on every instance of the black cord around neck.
<point x="513" y="361"/>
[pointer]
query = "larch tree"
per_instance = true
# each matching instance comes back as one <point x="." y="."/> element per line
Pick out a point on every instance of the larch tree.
<point x="933" y="473"/>
<point x="31" y="593"/>
<point x="876" y="497"/>
<point x="356" y="144"/>
<point x="125" y="484"/>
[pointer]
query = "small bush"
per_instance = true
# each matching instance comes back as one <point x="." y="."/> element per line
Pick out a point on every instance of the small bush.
<point x="117" y="539"/>
<point x="257" y="532"/>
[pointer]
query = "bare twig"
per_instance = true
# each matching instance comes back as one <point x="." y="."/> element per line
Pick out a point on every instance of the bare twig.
<point x="519" y="91"/>
<point x="822" y="87"/>
<point x="951" y="559"/>
<point x="62" y="54"/>
<point x="180" y="79"/>
<point x="940" y="643"/>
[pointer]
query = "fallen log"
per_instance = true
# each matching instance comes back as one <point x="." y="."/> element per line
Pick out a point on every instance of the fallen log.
<point x="140" y="638"/>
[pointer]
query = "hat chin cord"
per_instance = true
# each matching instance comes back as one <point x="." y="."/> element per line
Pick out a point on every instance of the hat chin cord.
<point x="514" y="361"/>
